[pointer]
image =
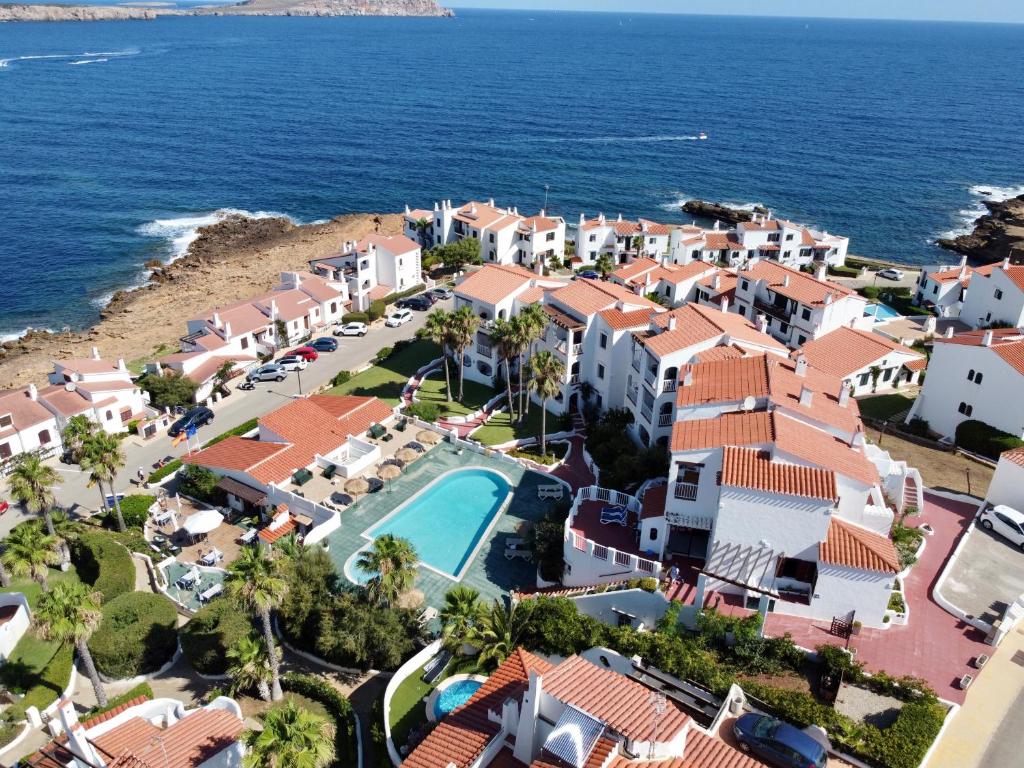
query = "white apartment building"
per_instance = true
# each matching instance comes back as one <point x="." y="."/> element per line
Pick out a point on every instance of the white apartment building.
<point x="995" y="296"/>
<point x="622" y="239"/>
<point x="505" y="236"/>
<point x="96" y="388"/>
<point x="373" y="268"/>
<point x="797" y="307"/>
<point x="868" y="362"/>
<point x="974" y="375"/>
<point x="671" y="283"/>
<point x="942" y="288"/>
<point x="26" y="426"/>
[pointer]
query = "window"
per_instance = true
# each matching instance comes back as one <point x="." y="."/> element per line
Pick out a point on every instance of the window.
<point x="965" y="409"/>
<point x="6" y="420"/>
<point x="977" y="377"/>
<point x="988" y="317"/>
<point x="245" y="342"/>
<point x="604" y="341"/>
<point x="970" y="375"/>
<point x="550" y="237"/>
<point x="806" y="314"/>
<point x="744" y="285"/>
<point x="650" y="241"/>
<point x="998" y="294"/>
<point x="696" y="254"/>
<point x="935" y="289"/>
<point x="600" y="371"/>
<point x="801" y="340"/>
<point x="593" y="238"/>
<point x="887" y="374"/>
<point x="789" y="237"/>
<point x="109" y="416"/>
<point x="44" y="437"/>
<point x="654" y="534"/>
<point x="864" y="379"/>
<point x="741" y="310"/>
<point x="490" y="237"/>
<point x="5" y="451"/>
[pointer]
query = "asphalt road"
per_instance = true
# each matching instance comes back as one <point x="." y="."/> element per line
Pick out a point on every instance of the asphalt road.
<point x="353" y="352"/>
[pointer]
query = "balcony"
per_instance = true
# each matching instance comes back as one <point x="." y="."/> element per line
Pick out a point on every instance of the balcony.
<point x="783" y="313"/>
<point x="685" y="491"/>
<point x="577" y="349"/>
<point x="664" y="419"/>
<point x="636" y="364"/>
<point x="632" y="394"/>
<point x="647" y="412"/>
<point x="669" y="385"/>
<point x="483" y="350"/>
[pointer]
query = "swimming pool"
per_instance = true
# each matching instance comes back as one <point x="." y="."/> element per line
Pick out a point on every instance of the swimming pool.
<point x="447" y="520"/>
<point x="454" y="696"/>
<point x="881" y="312"/>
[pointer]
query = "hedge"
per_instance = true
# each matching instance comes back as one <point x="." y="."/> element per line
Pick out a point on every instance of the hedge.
<point x="355" y="317"/>
<point x="377" y="309"/>
<point x="173" y="466"/>
<point x="424" y="411"/>
<point x="138" y="635"/>
<point x="159" y="474"/>
<point x="135" y="509"/>
<point x="50" y="686"/>
<point x="338" y="706"/>
<point x="205" y="639"/>
<point x="104" y="564"/>
<point x="142" y="689"/>
<point x="979" y="437"/>
<point x="391" y="298"/>
<point x="241" y="429"/>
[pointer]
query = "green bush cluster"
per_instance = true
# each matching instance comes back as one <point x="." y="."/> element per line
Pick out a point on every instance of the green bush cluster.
<point x="978" y="437"/>
<point x="138" y="635"/>
<point x="169" y="390"/>
<point x="355" y="317"/>
<point x="341" y="377"/>
<point x="142" y="689"/>
<point x="159" y="474"/>
<point x="104" y="564"/>
<point x="622" y="462"/>
<point x="338" y="707"/>
<point x="377" y="310"/>
<point x="647" y="584"/>
<point x="383" y="354"/>
<point x="424" y="410"/>
<point x="208" y="635"/>
<point x="545" y="538"/>
<point x="199" y="483"/>
<point x="391" y="298"/>
<point x="135" y="509"/>
<point x="243" y="428"/>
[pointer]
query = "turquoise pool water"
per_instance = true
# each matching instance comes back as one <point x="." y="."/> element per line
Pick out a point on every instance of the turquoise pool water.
<point x="190" y="597"/>
<point x="881" y="312"/>
<point x="454" y="696"/>
<point x="447" y="519"/>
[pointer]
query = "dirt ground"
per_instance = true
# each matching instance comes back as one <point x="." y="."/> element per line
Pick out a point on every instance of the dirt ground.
<point x="941" y="470"/>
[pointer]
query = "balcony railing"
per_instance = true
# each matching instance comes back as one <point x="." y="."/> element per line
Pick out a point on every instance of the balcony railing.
<point x="483" y="351"/>
<point x="773" y="309"/>
<point x="647" y="412"/>
<point x="636" y="364"/>
<point x="664" y="419"/>
<point x="577" y="349"/>
<point x="669" y="385"/>
<point x="574" y="379"/>
<point x="651" y="376"/>
<point x="632" y="394"/>
<point x="686" y="491"/>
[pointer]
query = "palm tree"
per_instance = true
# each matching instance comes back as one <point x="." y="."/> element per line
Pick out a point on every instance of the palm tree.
<point x="535" y="323"/>
<point x="292" y="737"/>
<point x="222" y="377"/>
<point x="103" y="457"/>
<point x="500" y="629"/>
<point x="78" y="429"/>
<point x="255" y="582"/>
<point x="290" y="547"/>
<point x="464" y="325"/>
<point x="604" y="264"/>
<point x="422" y="225"/>
<point x="546" y="381"/>
<point x="519" y="338"/>
<point x="638" y="245"/>
<point x="249" y="666"/>
<point x="29" y="552"/>
<point x="31" y="484"/>
<point x="503" y="336"/>
<point x="439" y="330"/>
<point x="71" y="613"/>
<point x="391" y="561"/>
<point x="460" y="615"/>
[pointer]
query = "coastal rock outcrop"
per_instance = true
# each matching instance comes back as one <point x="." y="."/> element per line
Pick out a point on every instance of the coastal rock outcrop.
<point x="717" y="211"/>
<point x="997" y="235"/>
<point x="25" y="12"/>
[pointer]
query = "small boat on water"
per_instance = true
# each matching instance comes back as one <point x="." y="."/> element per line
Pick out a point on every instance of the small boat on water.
<point x="702" y="136"/>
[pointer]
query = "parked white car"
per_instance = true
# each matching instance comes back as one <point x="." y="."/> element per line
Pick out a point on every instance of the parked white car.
<point x="891" y="274"/>
<point x="351" y="329"/>
<point x="1006" y="521"/>
<point x="292" y="363"/>
<point x="399" y="317"/>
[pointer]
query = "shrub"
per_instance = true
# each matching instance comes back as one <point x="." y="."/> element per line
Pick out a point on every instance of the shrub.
<point x="918" y="426"/>
<point x="424" y="410"/>
<point x="907" y="541"/>
<point x="896" y="602"/>
<point x="104" y="564"/>
<point x="341" y="377"/>
<point x="377" y="310"/>
<point x="871" y="292"/>
<point x="169" y="390"/>
<point x="53" y="680"/>
<point x="135" y="509"/>
<point x="979" y="437"/>
<point x="355" y="317"/>
<point x="199" y="483"/>
<point x="142" y="689"/>
<point x="546" y="540"/>
<point x="384" y="353"/>
<point x="338" y="707"/>
<point x="207" y="636"/>
<point x="159" y="474"/>
<point x="136" y="636"/>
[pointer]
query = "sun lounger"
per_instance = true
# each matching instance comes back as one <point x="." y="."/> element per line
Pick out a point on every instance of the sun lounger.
<point x="249" y="536"/>
<point x="429" y="614"/>
<point x="435" y="667"/>
<point x="517" y="548"/>
<point x="208" y="595"/>
<point x="211" y="557"/>
<point x="614" y="515"/>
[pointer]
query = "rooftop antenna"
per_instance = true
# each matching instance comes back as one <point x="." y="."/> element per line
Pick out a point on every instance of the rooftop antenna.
<point x="658" y="706"/>
<point x="546" y="188"/>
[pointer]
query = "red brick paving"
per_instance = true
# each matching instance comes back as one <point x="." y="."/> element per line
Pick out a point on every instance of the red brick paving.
<point x="575" y="470"/>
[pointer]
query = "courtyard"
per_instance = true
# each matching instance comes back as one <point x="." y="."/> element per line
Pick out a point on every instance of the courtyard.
<point x="987" y="576"/>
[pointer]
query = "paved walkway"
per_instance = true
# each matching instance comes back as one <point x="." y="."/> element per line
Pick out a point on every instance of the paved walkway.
<point x="575" y="470"/>
<point x="935" y="646"/>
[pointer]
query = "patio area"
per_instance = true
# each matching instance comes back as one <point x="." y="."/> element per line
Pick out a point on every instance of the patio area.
<point x="489" y="572"/>
<point x="170" y="536"/>
<point x="911" y="329"/>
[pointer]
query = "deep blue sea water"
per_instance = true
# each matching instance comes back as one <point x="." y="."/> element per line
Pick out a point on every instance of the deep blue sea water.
<point x="885" y="131"/>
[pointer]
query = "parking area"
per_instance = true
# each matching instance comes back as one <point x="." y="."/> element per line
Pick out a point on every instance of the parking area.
<point x="988" y="575"/>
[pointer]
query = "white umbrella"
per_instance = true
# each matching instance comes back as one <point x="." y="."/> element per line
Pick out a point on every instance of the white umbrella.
<point x="203" y="522"/>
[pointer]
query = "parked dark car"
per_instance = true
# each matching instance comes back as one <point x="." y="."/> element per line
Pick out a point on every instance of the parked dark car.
<point x="421" y="301"/>
<point x="199" y="416"/>
<point x="778" y="743"/>
<point x="589" y="274"/>
<point x="324" y="344"/>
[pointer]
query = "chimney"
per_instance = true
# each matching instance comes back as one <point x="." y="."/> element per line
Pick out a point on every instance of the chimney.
<point x="688" y="377"/>
<point x="1006" y="263"/>
<point x="490" y="202"/>
<point x="543" y="213"/>
<point x="716" y="281"/>
<point x="583" y="220"/>
<point x="717" y="225"/>
<point x="785" y="281"/>
<point x="858" y="438"/>
<point x="33" y="392"/>
<point x="986" y="340"/>
<point x="472" y="208"/>
<point x="828" y="298"/>
<point x="273" y="309"/>
<point x="216" y="319"/>
<point x="949" y="332"/>
<point x="95" y="353"/>
<point x="806" y="395"/>
<point x="408" y="210"/>
<point x="724" y="305"/>
<point x="671" y="322"/>
<point x="121" y="366"/>
<point x="801" y="366"/>
<point x="227" y="330"/>
<point x="821" y="271"/>
<point x="762" y="324"/>
<point x="529" y="713"/>
<point x="77" y="743"/>
<point x="844" y="394"/>
<point x="620" y="217"/>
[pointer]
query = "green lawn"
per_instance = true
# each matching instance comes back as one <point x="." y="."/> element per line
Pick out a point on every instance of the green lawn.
<point x="408" y="710"/>
<point x="386" y="379"/>
<point x="31" y="589"/>
<point x="498" y="428"/>
<point x="474" y="395"/>
<point x="884" y="407"/>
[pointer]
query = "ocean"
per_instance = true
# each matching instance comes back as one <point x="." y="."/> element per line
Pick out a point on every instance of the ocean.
<point x="117" y="139"/>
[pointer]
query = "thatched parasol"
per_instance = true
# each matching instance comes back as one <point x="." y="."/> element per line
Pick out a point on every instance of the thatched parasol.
<point x="357" y="486"/>
<point x="389" y="472"/>
<point x="406" y="455"/>
<point x="428" y="436"/>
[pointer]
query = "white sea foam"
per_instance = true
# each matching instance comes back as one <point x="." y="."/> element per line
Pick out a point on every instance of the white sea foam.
<point x="679" y="199"/>
<point x="80" y="58"/>
<point x="617" y="139"/>
<point x="87" y="61"/>
<point x="181" y="232"/>
<point x="14" y="336"/>
<point x="981" y="193"/>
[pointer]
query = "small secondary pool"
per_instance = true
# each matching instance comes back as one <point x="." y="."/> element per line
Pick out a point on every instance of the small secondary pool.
<point x="454" y="696"/>
<point x="447" y="520"/>
<point x="881" y="312"/>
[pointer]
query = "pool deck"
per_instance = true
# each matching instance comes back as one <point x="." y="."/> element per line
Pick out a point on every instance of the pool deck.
<point x="489" y="572"/>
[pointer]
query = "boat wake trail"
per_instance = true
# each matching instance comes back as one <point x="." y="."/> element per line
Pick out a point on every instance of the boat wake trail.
<point x="88" y="57"/>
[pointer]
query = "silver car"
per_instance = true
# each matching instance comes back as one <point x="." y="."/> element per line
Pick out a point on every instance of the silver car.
<point x="441" y="292"/>
<point x="270" y="372"/>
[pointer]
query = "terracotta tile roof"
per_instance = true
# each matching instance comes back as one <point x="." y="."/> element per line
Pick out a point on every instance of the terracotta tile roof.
<point x="270" y="535"/>
<point x="243" y="316"/>
<point x="531" y="295"/>
<point x="855" y="547"/>
<point x="822" y="449"/>
<point x="393" y="244"/>
<point x="416" y="214"/>
<point x="189" y="742"/>
<point x="614" y="699"/>
<point x="588" y="297"/>
<point x="460" y="737"/>
<point x="544" y="224"/>
<point x="916" y="365"/>
<point x="494" y="283"/>
<point x="728" y="429"/>
<point x="635" y="268"/>
<point x="678" y="273"/>
<point x="205" y="371"/>
<point x="484" y="216"/>
<point x="749" y="468"/>
<point x="622" y="321"/>
<point x="784" y="390"/>
<point x="845" y="351"/>
<point x="719" y="353"/>
<point x="317" y="287"/>
<point x="88" y="365"/>
<point x="26" y="412"/>
<point x="739" y="328"/>
<point x="722" y="241"/>
<point x="802" y="287"/>
<point x="763" y="225"/>
<point x="702" y="751"/>
<point x="726" y="282"/>
<point x="235" y="453"/>
<point x="654" y="501"/>
<point x="953" y="274"/>
<point x="719" y="381"/>
<point x="380" y="291"/>
<point x="1016" y="455"/>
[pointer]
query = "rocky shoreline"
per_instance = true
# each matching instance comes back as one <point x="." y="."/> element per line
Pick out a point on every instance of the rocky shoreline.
<point x="234" y="259"/>
<point x="997" y="235"/>
<point x="719" y="212"/>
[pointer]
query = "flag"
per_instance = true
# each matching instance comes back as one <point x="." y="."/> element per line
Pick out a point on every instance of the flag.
<point x="190" y="430"/>
<point x="178" y="439"/>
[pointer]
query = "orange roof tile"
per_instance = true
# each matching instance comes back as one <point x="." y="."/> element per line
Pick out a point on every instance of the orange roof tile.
<point x="802" y="287"/>
<point x="531" y="295"/>
<point x="635" y="268"/>
<point x="588" y="297"/>
<point x="748" y="468"/>
<point x="702" y="751"/>
<point x="818" y="447"/>
<point x="189" y="742"/>
<point x="721" y="241"/>
<point x="494" y="283"/>
<point x="845" y="351"/>
<point x="614" y="699"/>
<point x="26" y="412"/>
<point x="1007" y="343"/>
<point x="728" y="429"/>
<point x="728" y="380"/>
<point x="622" y="321"/>
<point x="270" y="535"/>
<point x="953" y="274"/>
<point x="720" y="353"/>
<point x="1016" y="455"/>
<point x="855" y="547"/>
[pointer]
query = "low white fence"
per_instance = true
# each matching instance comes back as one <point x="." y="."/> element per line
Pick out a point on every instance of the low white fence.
<point x="407" y="670"/>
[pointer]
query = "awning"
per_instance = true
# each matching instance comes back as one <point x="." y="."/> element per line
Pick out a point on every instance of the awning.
<point x="242" y="491"/>
<point x="743" y="566"/>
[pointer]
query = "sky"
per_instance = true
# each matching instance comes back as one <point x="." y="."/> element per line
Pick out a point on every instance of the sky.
<point x="934" y="10"/>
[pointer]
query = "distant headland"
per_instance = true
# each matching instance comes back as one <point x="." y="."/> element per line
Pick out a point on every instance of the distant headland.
<point x="142" y="12"/>
<point x="997" y="235"/>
